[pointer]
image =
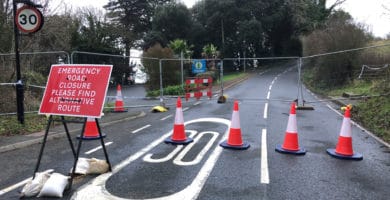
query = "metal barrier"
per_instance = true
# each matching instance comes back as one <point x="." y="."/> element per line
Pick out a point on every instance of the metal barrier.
<point x="195" y="86"/>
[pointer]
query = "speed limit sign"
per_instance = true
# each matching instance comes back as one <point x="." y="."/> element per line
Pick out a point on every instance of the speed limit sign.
<point x="29" y="19"/>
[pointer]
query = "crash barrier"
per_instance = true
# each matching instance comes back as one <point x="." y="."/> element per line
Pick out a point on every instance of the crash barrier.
<point x="195" y="87"/>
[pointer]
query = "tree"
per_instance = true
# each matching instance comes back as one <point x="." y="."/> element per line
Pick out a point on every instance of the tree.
<point x="173" y="21"/>
<point x="180" y="46"/>
<point x="94" y="34"/>
<point x="6" y="27"/>
<point x="169" y="68"/>
<point x="265" y="27"/>
<point x="340" y="33"/>
<point x="132" y="18"/>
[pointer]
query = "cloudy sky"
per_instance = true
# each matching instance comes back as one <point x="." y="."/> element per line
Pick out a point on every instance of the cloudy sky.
<point x="370" y="12"/>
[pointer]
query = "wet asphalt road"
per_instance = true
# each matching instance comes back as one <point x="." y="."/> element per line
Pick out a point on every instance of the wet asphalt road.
<point x="144" y="167"/>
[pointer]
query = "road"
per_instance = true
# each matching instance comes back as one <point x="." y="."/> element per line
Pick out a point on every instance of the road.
<point x="144" y="167"/>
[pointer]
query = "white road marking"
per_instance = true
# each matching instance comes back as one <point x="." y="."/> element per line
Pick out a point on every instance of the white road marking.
<point x="164" y="118"/>
<point x="97" y="148"/>
<point x="13" y="187"/>
<point x="96" y="190"/>
<point x="268" y="94"/>
<point x="265" y="110"/>
<point x="197" y="103"/>
<point x="142" y="128"/>
<point x="264" y="158"/>
<point x="178" y="159"/>
<point x="148" y="157"/>
<point x="184" y="109"/>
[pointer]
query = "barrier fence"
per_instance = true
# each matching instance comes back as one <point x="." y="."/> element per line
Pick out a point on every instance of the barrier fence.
<point x="164" y="74"/>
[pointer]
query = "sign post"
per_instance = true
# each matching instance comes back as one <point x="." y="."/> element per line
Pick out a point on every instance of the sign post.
<point x="28" y="19"/>
<point x="75" y="90"/>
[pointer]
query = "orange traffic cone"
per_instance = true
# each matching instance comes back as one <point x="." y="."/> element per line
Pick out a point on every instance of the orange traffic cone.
<point x="290" y="145"/>
<point x="179" y="134"/>
<point x="234" y="140"/>
<point x="344" y="145"/>
<point x="91" y="131"/>
<point x="119" y="100"/>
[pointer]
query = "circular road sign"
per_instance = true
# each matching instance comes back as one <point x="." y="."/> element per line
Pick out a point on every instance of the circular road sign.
<point x="29" y="19"/>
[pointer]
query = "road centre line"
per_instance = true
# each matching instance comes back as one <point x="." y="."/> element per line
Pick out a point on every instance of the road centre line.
<point x="185" y="109"/>
<point x="140" y="129"/>
<point x="197" y="103"/>
<point x="265" y="110"/>
<point x="268" y="94"/>
<point x="264" y="175"/>
<point x="97" y="148"/>
<point x="164" y="118"/>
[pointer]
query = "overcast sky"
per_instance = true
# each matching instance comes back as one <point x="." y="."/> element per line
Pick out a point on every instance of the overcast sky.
<point x="370" y="12"/>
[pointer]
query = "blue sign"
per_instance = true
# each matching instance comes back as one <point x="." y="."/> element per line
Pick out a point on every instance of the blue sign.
<point x="198" y="66"/>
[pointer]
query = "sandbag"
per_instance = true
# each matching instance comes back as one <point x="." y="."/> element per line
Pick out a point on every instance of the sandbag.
<point x="54" y="186"/>
<point x="82" y="166"/>
<point x="34" y="186"/>
<point x="97" y="166"/>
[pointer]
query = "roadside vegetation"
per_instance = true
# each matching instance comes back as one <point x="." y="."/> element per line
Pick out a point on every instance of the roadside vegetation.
<point x="360" y="78"/>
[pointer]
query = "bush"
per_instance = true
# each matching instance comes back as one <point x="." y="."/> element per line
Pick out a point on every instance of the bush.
<point x="340" y="34"/>
<point x="176" y="90"/>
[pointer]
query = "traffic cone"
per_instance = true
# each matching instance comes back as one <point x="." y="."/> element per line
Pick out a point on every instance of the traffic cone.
<point x="290" y="144"/>
<point x="344" y="145"/>
<point x="234" y="140"/>
<point x="91" y="131"/>
<point x="179" y="134"/>
<point x="119" y="100"/>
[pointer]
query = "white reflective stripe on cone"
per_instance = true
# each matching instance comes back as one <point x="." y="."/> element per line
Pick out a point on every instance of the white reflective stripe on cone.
<point x="292" y="124"/>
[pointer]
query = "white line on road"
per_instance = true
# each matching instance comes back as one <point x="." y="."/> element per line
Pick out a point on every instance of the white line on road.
<point x="13" y="187"/>
<point x="164" y="118"/>
<point x="264" y="158"/>
<point x="185" y="109"/>
<point x="268" y="94"/>
<point x="97" y="148"/>
<point x="265" y="110"/>
<point x="197" y="103"/>
<point x="140" y="129"/>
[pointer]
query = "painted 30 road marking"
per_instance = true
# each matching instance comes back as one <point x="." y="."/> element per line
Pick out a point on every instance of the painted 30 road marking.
<point x="96" y="190"/>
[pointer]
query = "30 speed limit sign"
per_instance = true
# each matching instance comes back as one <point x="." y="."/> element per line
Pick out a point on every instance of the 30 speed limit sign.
<point x="29" y="19"/>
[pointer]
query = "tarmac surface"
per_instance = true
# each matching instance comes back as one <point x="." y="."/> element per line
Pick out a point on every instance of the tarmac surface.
<point x="8" y="143"/>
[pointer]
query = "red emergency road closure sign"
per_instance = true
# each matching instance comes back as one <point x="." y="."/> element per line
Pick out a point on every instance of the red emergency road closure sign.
<point x="76" y="90"/>
<point x="29" y="19"/>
